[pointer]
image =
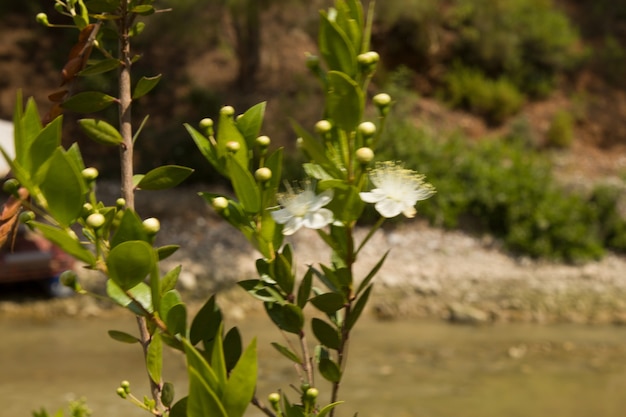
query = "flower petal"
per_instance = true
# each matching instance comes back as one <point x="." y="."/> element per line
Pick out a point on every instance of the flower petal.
<point x="292" y="226"/>
<point x="318" y="219"/>
<point x="281" y="216"/>
<point x="372" y="197"/>
<point x="389" y="208"/>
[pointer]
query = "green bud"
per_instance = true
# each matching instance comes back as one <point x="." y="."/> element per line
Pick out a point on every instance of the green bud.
<point x="312" y="393"/>
<point x="263" y="174"/>
<point x="11" y="186"/>
<point x="227" y="111"/>
<point x="42" y="19"/>
<point x="87" y="210"/>
<point x="69" y="278"/>
<point x="206" y="124"/>
<point x="367" y="129"/>
<point x="368" y="58"/>
<point x="382" y="100"/>
<point x="274" y="398"/>
<point x="120" y="203"/>
<point x="312" y="62"/>
<point x="59" y="7"/>
<point x="125" y="385"/>
<point x="26" y="216"/>
<point x="323" y="126"/>
<point x="95" y="220"/>
<point x="263" y="141"/>
<point x="233" y="146"/>
<point x="219" y="204"/>
<point x="151" y="225"/>
<point x="121" y="392"/>
<point x="89" y="174"/>
<point x="364" y="155"/>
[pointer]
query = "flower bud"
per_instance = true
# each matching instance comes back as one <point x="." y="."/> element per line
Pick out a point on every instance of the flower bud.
<point x="120" y="203"/>
<point x="263" y="141"/>
<point x="323" y="126"/>
<point x="274" y="398"/>
<point x="95" y="220"/>
<point x="364" y="155"/>
<point x="312" y="393"/>
<point x="206" y="124"/>
<point x="219" y="204"/>
<point x="69" y="278"/>
<point x="26" y="216"/>
<point x="125" y="385"/>
<point x="312" y="62"/>
<point x="87" y="209"/>
<point x="11" y="186"/>
<point x="121" y="392"/>
<point x="151" y="225"/>
<point x="227" y="111"/>
<point x="382" y="100"/>
<point x="367" y="129"/>
<point x="59" y="7"/>
<point x="233" y="146"/>
<point x="368" y="58"/>
<point x="263" y="174"/>
<point x="42" y="19"/>
<point x="89" y="174"/>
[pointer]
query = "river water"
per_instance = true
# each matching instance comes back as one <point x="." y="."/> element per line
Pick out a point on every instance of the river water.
<point x="398" y="368"/>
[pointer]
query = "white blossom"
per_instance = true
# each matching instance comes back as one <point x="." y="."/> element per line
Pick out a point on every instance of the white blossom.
<point x="303" y="208"/>
<point x="397" y="190"/>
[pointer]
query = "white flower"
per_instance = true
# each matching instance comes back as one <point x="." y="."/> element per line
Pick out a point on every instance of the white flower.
<point x="303" y="208"/>
<point x="397" y="190"/>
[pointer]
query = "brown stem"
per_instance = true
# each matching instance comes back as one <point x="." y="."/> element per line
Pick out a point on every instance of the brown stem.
<point x="126" y="159"/>
<point x="265" y="409"/>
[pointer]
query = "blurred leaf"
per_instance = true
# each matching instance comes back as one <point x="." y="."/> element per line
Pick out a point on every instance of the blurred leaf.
<point x="227" y="132"/>
<point x="335" y="47"/>
<point x="123" y="337"/>
<point x="202" y="400"/>
<point x="350" y="20"/>
<point x="206" y="323"/>
<point x="172" y="311"/>
<point x="207" y="149"/>
<point x="130" y="228"/>
<point x="325" y="333"/>
<point x="218" y="361"/>
<point x="63" y="188"/>
<point x="245" y="186"/>
<point x="326" y="409"/>
<point x="316" y="152"/>
<point x="345" y="101"/>
<point x="359" y="306"/>
<point x="143" y="9"/>
<point x="180" y="408"/>
<point x="100" y="67"/>
<point x="286" y="352"/>
<point x="164" y="177"/>
<point x="102" y="6"/>
<point x="241" y="383"/>
<point x="43" y="146"/>
<point x="130" y="262"/>
<point x="304" y="290"/>
<point x="232" y="348"/>
<point x="154" y="358"/>
<point x="166" y="251"/>
<point x="145" y="85"/>
<point x="169" y="280"/>
<point x="101" y="132"/>
<point x="329" y="370"/>
<point x="366" y="281"/>
<point x="249" y="123"/>
<point x="328" y="302"/>
<point x="287" y="317"/>
<point x="88" y="102"/>
<point x="68" y="243"/>
<point x="167" y="394"/>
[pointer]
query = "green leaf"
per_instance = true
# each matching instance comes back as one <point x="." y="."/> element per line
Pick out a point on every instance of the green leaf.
<point x="169" y="280"/>
<point x="166" y="251"/>
<point x="326" y="409"/>
<point x="164" y="177"/>
<point x="130" y="228"/>
<point x="88" y="102"/>
<point x="241" y="384"/>
<point x="141" y="301"/>
<point x="154" y="358"/>
<point x="66" y="242"/>
<point x="101" y="132"/>
<point x="173" y="311"/>
<point x="202" y="400"/>
<point x="249" y="123"/>
<point x="232" y="348"/>
<point x="196" y="361"/>
<point x="130" y="262"/>
<point x="336" y="48"/>
<point x="218" y="362"/>
<point x="328" y="302"/>
<point x="206" y="323"/>
<point x="325" y="333"/>
<point x="145" y="85"/>
<point x="167" y="394"/>
<point x="316" y="152"/>
<point x="329" y="370"/>
<point x="283" y="272"/>
<point x="180" y="408"/>
<point x="227" y="131"/>
<point x="63" y="188"/>
<point x="207" y="149"/>
<point x="359" y="306"/>
<point x="245" y="186"/>
<point x="350" y="20"/>
<point x="123" y="337"/>
<point x="143" y="9"/>
<point x="287" y="317"/>
<point x="344" y="101"/>
<point x="288" y="353"/>
<point x="304" y="290"/>
<point x="366" y="281"/>
<point x="44" y="145"/>
<point x="100" y="67"/>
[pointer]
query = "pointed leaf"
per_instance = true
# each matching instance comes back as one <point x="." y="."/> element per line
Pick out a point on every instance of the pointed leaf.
<point x="101" y="132"/>
<point x="287" y="317"/>
<point x="130" y="228"/>
<point x="164" y="177"/>
<point x="358" y="308"/>
<point x="154" y="358"/>
<point x="288" y="353"/>
<point x="329" y="370"/>
<point x="232" y="348"/>
<point x="88" y="102"/>
<point x="345" y="101"/>
<point x="202" y="400"/>
<point x="249" y="123"/>
<point x="327" y="408"/>
<point x="366" y="281"/>
<point x="164" y="252"/>
<point x="65" y="241"/>
<point x="130" y="262"/>
<point x="196" y="361"/>
<point x="328" y="302"/>
<point x="241" y="384"/>
<point x="167" y="394"/>
<point x="100" y="67"/>
<point x="207" y="149"/>
<point x="218" y="362"/>
<point x="206" y="323"/>
<point x="169" y="280"/>
<point x="44" y="145"/>
<point x="325" y="333"/>
<point x="335" y="47"/>
<point x="304" y="290"/>
<point x="245" y="186"/>
<point x="145" y="85"/>
<point x="123" y="337"/>
<point x="227" y="132"/>
<point x="141" y="301"/>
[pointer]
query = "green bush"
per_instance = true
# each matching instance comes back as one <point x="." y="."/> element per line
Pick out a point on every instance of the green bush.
<point x="495" y="100"/>
<point x="506" y="188"/>
<point x="561" y="131"/>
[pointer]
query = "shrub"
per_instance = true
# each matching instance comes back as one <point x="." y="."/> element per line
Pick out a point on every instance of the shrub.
<point x="561" y="131"/>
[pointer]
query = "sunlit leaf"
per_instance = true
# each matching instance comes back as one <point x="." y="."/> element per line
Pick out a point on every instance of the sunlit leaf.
<point x="249" y="124"/>
<point x="137" y="299"/>
<point x="286" y="352"/>
<point x="154" y="358"/>
<point x="345" y="101"/>
<point x="130" y="262"/>
<point x="166" y="251"/>
<point x="88" y="102"/>
<point x="101" y="131"/>
<point x="245" y="186"/>
<point x="335" y="47"/>
<point x="145" y="85"/>
<point x="122" y="336"/>
<point x="67" y="242"/>
<point x="169" y="280"/>
<point x="44" y="145"/>
<point x="202" y="400"/>
<point x="164" y="177"/>
<point x="325" y="333"/>
<point x="241" y="383"/>
<point x="129" y="228"/>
